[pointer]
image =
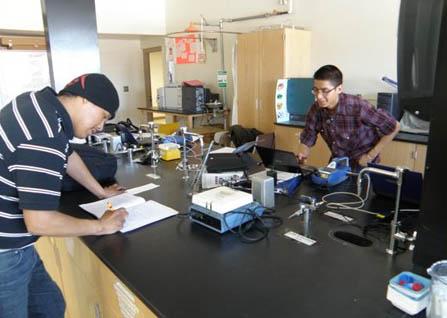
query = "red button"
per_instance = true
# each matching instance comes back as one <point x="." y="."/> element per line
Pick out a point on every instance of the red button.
<point x="417" y="286"/>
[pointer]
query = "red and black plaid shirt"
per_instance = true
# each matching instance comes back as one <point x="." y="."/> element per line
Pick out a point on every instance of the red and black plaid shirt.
<point x="351" y="130"/>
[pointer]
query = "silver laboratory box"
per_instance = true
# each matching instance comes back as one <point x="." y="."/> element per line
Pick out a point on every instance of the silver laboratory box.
<point x="170" y="97"/>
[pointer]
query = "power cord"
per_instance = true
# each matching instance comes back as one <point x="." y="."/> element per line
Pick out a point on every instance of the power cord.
<point x="257" y="224"/>
<point x="355" y="205"/>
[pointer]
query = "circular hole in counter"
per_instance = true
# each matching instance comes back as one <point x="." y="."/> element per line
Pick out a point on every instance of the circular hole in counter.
<point x="351" y="238"/>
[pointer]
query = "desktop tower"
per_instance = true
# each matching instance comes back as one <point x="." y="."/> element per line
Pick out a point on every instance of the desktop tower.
<point x="193" y="99"/>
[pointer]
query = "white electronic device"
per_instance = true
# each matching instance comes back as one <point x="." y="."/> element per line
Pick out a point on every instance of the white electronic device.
<point x="221" y="209"/>
<point x="263" y="190"/>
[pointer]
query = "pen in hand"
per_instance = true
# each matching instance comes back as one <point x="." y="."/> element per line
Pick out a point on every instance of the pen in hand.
<point x="112" y="220"/>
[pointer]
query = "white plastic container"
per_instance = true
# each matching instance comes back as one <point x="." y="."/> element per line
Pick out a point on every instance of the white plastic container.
<point x="406" y="299"/>
<point x="437" y="307"/>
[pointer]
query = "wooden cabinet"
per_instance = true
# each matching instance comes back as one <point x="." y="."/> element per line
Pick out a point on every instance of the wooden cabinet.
<point x="119" y="298"/>
<point x="263" y="57"/>
<point x="90" y="289"/>
<point x="419" y="158"/>
<point x="288" y="138"/>
<point x="405" y="154"/>
<point x="49" y="253"/>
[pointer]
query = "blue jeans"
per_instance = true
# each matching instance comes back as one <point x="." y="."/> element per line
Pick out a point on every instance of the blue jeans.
<point x="26" y="289"/>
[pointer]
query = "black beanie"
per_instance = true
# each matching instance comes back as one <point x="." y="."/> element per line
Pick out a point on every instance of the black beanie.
<point x="97" y="89"/>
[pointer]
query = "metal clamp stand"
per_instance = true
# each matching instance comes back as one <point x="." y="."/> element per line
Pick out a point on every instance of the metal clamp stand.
<point x="153" y="152"/>
<point x="398" y="176"/>
<point x="105" y="146"/>
<point x="307" y="206"/>
<point x="196" y="180"/>
<point x="185" y="158"/>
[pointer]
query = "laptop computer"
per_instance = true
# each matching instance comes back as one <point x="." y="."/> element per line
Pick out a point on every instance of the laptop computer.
<point x="224" y="162"/>
<point x="278" y="159"/>
<point x="386" y="186"/>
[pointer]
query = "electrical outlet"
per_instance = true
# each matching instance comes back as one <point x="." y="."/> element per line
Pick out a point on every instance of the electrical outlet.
<point x="125" y="89"/>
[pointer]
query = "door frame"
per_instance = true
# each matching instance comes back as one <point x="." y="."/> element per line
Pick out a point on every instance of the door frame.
<point x="147" y="77"/>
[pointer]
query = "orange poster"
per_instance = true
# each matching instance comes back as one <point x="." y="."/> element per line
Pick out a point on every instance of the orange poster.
<point x="186" y="50"/>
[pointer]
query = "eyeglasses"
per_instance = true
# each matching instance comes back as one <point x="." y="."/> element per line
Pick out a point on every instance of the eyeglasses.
<point x="324" y="92"/>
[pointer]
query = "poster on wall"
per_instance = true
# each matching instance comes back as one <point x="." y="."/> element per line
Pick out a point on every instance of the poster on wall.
<point x="170" y="49"/>
<point x="187" y="49"/>
<point x="170" y="59"/>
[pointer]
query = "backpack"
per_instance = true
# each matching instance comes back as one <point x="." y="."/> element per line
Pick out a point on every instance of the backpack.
<point x="240" y="135"/>
<point x="101" y="165"/>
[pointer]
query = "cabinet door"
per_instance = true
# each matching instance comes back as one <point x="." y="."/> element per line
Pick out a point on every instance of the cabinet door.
<point x="288" y="138"/>
<point x="271" y="69"/>
<point x="398" y="153"/>
<point x="248" y="77"/>
<point x="420" y="156"/>
<point x="80" y="291"/>
<point x="48" y="252"/>
<point x="118" y="299"/>
<point x="297" y="53"/>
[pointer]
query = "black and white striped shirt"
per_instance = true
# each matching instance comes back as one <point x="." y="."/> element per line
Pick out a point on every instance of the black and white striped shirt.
<point x="35" y="130"/>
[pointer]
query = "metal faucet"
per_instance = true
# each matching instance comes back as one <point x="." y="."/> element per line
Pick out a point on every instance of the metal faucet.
<point x="398" y="176"/>
<point x="307" y="206"/>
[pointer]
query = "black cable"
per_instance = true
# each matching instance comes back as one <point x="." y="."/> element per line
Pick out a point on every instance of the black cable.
<point x="256" y="224"/>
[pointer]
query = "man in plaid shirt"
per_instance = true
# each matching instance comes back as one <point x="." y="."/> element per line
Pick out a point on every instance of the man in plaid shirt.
<point x="350" y="126"/>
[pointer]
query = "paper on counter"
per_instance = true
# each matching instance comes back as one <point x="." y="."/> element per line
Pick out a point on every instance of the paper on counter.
<point x="224" y="150"/>
<point x="142" y="188"/>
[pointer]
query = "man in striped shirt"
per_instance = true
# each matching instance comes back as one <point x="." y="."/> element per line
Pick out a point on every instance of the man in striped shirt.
<point x="35" y="129"/>
<point x="350" y="126"/>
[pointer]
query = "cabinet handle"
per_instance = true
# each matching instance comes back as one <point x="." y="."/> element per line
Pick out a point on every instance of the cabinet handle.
<point x="97" y="311"/>
<point x="414" y="155"/>
<point x="58" y="259"/>
<point x="298" y="136"/>
<point x="257" y="104"/>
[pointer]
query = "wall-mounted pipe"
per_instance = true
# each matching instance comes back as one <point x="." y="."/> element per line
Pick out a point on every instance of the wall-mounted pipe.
<point x="264" y="15"/>
<point x="258" y="16"/>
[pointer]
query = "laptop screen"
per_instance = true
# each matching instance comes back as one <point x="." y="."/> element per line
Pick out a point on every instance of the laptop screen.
<point x="386" y="186"/>
<point x="278" y="159"/>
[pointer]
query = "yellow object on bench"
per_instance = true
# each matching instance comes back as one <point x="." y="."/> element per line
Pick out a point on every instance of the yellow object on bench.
<point x="168" y="129"/>
<point x="169" y="151"/>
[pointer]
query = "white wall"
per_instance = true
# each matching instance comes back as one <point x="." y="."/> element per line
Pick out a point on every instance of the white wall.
<point x="113" y="16"/>
<point x="131" y="16"/>
<point x="122" y="62"/>
<point x="358" y="36"/>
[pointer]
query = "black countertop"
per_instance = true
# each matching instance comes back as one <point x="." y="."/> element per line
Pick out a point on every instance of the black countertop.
<point x="401" y="136"/>
<point x="181" y="269"/>
<point x="174" y="111"/>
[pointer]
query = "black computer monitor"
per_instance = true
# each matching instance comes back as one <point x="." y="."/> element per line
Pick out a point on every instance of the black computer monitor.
<point x="386" y="186"/>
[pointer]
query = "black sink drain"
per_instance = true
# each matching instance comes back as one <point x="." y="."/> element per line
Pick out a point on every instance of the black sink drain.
<point x="352" y="238"/>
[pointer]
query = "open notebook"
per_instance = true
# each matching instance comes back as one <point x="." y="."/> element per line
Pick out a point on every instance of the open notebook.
<point x="141" y="212"/>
